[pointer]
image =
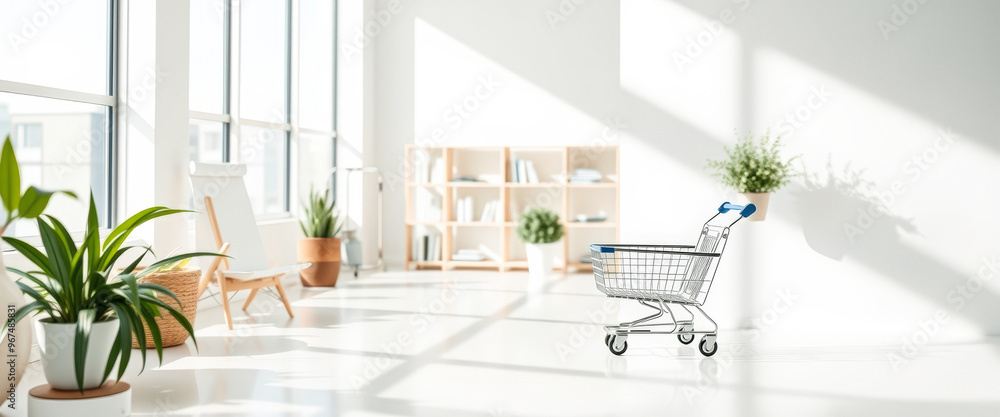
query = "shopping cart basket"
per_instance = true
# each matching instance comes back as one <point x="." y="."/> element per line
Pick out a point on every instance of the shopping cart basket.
<point x="663" y="277"/>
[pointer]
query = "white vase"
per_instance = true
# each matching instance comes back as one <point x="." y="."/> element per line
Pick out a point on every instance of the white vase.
<point x="10" y="300"/>
<point x="57" y="341"/>
<point x="760" y="200"/>
<point x="541" y="258"/>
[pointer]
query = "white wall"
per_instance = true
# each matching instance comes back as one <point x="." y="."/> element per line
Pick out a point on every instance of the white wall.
<point x="566" y="69"/>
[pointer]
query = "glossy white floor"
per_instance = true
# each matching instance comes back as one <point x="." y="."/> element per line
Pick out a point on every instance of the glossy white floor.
<point x="484" y="344"/>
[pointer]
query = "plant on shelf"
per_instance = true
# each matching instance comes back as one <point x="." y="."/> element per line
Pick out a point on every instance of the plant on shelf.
<point x="540" y="229"/>
<point x="16" y="206"/>
<point x="91" y="311"/>
<point x="320" y="245"/>
<point x="754" y="168"/>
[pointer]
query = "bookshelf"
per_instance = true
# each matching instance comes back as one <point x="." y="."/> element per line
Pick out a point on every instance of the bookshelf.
<point x="442" y="180"/>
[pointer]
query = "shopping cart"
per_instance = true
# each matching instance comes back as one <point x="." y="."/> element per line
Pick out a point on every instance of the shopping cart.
<point x="665" y="276"/>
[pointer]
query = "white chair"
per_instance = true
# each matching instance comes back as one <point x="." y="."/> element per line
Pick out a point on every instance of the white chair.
<point x="221" y="195"/>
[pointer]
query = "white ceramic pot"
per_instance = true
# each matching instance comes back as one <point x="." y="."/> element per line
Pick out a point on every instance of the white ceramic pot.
<point x="541" y="257"/>
<point x="760" y="200"/>
<point x="56" y="341"/>
<point x="10" y="300"/>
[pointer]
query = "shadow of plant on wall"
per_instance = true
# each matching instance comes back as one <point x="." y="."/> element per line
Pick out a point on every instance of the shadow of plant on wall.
<point x="855" y="214"/>
<point x="858" y="224"/>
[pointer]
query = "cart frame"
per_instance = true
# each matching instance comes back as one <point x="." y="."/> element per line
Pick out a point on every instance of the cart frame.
<point x="664" y="277"/>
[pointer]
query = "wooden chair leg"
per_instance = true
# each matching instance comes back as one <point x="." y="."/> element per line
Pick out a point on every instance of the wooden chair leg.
<point x="253" y="293"/>
<point x="225" y="300"/>
<point x="206" y="277"/>
<point x="284" y="297"/>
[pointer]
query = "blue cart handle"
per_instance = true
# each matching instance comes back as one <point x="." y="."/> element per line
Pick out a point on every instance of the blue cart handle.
<point x="745" y="211"/>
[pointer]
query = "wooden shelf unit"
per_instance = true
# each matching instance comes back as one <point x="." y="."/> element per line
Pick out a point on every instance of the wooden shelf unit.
<point x="494" y="165"/>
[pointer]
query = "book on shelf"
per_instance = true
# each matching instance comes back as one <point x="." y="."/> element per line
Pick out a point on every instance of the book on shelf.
<point x="426" y="248"/>
<point x="489" y="211"/>
<point x="524" y="172"/>
<point x="428" y="170"/>
<point x="464" y="208"/>
<point x="585" y="175"/>
<point x="468" y="255"/>
<point x="532" y="174"/>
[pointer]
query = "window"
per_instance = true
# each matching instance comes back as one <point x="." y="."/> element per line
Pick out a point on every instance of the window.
<point x="272" y="109"/>
<point x="57" y="100"/>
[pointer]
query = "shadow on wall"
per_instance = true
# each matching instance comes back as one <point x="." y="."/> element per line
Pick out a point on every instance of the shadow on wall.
<point x="859" y="225"/>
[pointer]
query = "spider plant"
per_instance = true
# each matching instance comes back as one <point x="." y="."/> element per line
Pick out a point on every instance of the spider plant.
<point x="321" y="220"/>
<point x="79" y="284"/>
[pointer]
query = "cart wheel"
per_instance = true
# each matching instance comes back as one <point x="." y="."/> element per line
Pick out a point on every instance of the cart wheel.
<point x="618" y="345"/>
<point x="685" y="338"/>
<point x="706" y="349"/>
<point x="607" y="340"/>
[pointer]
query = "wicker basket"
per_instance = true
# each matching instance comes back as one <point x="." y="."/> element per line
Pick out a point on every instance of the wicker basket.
<point x="184" y="284"/>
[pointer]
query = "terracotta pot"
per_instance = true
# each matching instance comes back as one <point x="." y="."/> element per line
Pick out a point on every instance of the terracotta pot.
<point x="760" y="200"/>
<point x="324" y="254"/>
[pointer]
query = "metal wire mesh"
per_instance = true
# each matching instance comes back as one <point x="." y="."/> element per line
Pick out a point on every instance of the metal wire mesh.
<point x="671" y="273"/>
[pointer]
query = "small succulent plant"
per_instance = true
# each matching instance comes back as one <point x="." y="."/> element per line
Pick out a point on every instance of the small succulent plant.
<point x="539" y="225"/>
<point x="321" y="219"/>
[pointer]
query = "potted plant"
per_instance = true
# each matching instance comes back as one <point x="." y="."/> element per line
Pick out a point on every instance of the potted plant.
<point x="540" y="229"/>
<point x="91" y="312"/>
<point x="319" y="244"/>
<point x="754" y="168"/>
<point x="16" y="205"/>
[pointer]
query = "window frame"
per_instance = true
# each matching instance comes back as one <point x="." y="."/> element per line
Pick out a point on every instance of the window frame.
<point x="109" y="100"/>
<point x="232" y="120"/>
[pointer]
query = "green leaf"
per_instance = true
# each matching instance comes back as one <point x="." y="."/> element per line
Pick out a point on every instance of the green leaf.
<point x="35" y="200"/>
<point x="93" y="241"/>
<point x="156" y="266"/>
<point x="10" y="184"/>
<point x="126" y="227"/>
<point x="34" y="255"/>
<point x="135" y="264"/>
<point x="116" y="349"/>
<point x="148" y="314"/>
<point x="32" y="307"/>
<point x="133" y="289"/>
<point x="177" y="315"/>
<point x="60" y="259"/>
<point x="30" y="292"/>
<point x="84" y="325"/>
<point x="50" y="286"/>
<point x="159" y="289"/>
<point x="124" y="337"/>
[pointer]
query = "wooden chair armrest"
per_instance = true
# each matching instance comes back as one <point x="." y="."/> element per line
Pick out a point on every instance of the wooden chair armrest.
<point x="206" y="276"/>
